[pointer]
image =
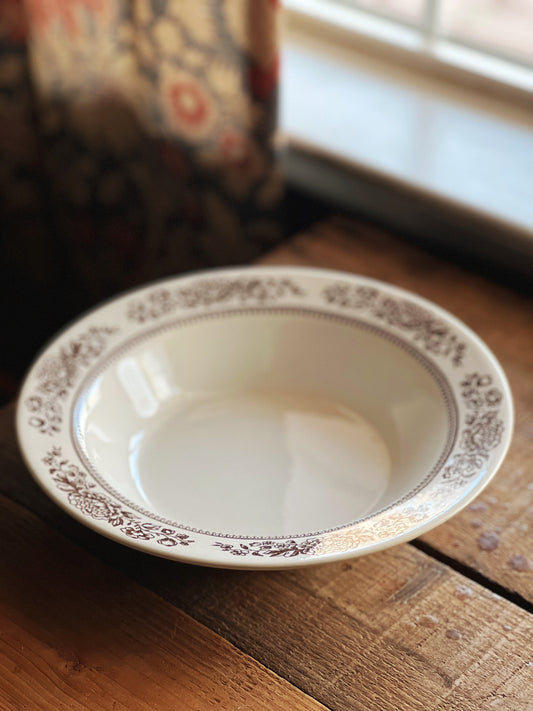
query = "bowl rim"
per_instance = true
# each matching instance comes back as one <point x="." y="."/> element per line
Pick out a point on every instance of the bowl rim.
<point x="304" y="552"/>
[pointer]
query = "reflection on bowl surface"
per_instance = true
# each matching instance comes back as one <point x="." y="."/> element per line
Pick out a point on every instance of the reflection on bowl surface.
<point x="265" y="417"/>
<point x="271" y="422"/>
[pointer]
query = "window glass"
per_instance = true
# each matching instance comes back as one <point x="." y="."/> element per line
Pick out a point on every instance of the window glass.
<point x="501" y="27"/>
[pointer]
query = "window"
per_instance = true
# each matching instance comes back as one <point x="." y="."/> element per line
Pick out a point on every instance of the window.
<point x="394" y="106"/>
<point x="491" y="39"/>
<point x="501" y="28"/>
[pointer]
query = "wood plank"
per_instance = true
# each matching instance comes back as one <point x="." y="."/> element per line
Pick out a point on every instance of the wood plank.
<point x="381" y="632"/>
<point x="503" y="515"/>
<point x="395" y="630"/>
<point x="495" y="534"/>
<point x="388" y="631"/>
<point x="74" y="634"/>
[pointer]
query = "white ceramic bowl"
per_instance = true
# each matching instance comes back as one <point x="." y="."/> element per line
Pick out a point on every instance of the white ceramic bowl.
<point x="264" y="417"/>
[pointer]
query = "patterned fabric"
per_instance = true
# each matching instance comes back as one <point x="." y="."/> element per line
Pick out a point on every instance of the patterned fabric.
<point x="136" y="139"/>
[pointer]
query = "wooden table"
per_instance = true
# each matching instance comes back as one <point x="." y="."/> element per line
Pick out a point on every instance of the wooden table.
<point x="443" y="623"/>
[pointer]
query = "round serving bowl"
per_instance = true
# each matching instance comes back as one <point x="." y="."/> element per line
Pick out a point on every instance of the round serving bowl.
<point x="265" y="417"/>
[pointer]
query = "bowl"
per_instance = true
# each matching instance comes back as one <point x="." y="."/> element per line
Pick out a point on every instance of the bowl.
<point x="264" y="417"/>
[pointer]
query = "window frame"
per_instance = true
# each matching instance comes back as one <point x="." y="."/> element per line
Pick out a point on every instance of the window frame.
<point x="341" y="151"/>
<point x="428" y="28"/>
<point x="420" y="52"/>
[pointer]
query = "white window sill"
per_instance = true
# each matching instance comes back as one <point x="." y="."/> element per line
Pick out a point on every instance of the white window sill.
<point x="347" y="115"/>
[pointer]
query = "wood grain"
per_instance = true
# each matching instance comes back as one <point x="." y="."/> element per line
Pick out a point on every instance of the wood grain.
<point x="75" y="634"/>
<point x="395" y="630"/>
<point x="503" y="318"/>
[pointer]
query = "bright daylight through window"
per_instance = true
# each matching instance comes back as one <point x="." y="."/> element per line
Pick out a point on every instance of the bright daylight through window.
<point x="491" y="37"/>
<point x="431" y="97"/>
<point x="502" y="28"/>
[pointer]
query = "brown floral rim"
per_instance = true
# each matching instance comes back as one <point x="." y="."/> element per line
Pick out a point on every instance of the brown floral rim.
<point x="483" y="433"/>
<point x="78" y="442"/>
<point x="58" y="374"/>
<point x="482" y="429"/>
<point x="273" y="548"/>
<point x="83" y="495"/>
<point x="207" y="292"/>
<point x="431" y="333"/>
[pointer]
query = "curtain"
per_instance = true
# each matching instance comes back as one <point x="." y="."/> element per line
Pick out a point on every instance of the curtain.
<point x="137" y="139"/>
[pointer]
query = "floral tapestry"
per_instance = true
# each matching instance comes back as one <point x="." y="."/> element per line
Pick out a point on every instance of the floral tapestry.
<point x="137" y="139"/>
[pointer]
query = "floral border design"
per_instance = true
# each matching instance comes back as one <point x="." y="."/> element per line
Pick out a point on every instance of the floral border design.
<point x="207" y="292"/>
<point x="483" y="432"/>
<point x="433" y="334"/>
<point x="436" y="373"/>
<point x="82" y="494"/>
<point x="272" y="549"/>
<point x="58" y="374"/>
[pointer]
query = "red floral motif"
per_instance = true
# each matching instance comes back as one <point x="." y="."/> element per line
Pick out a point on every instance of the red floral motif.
<point x="242" y="161"/>
<point x="235" y="149"/>
<point x="189" y="103"/>
<point x="13" y="21"/>
<point x="67" y="12"/>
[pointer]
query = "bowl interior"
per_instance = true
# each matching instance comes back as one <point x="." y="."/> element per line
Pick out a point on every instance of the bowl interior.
<point x="264" y="422"/>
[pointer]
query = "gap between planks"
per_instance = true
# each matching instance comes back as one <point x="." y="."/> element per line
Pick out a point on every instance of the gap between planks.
<point x="502" y="317"/>
<point x="474" y="575"/>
